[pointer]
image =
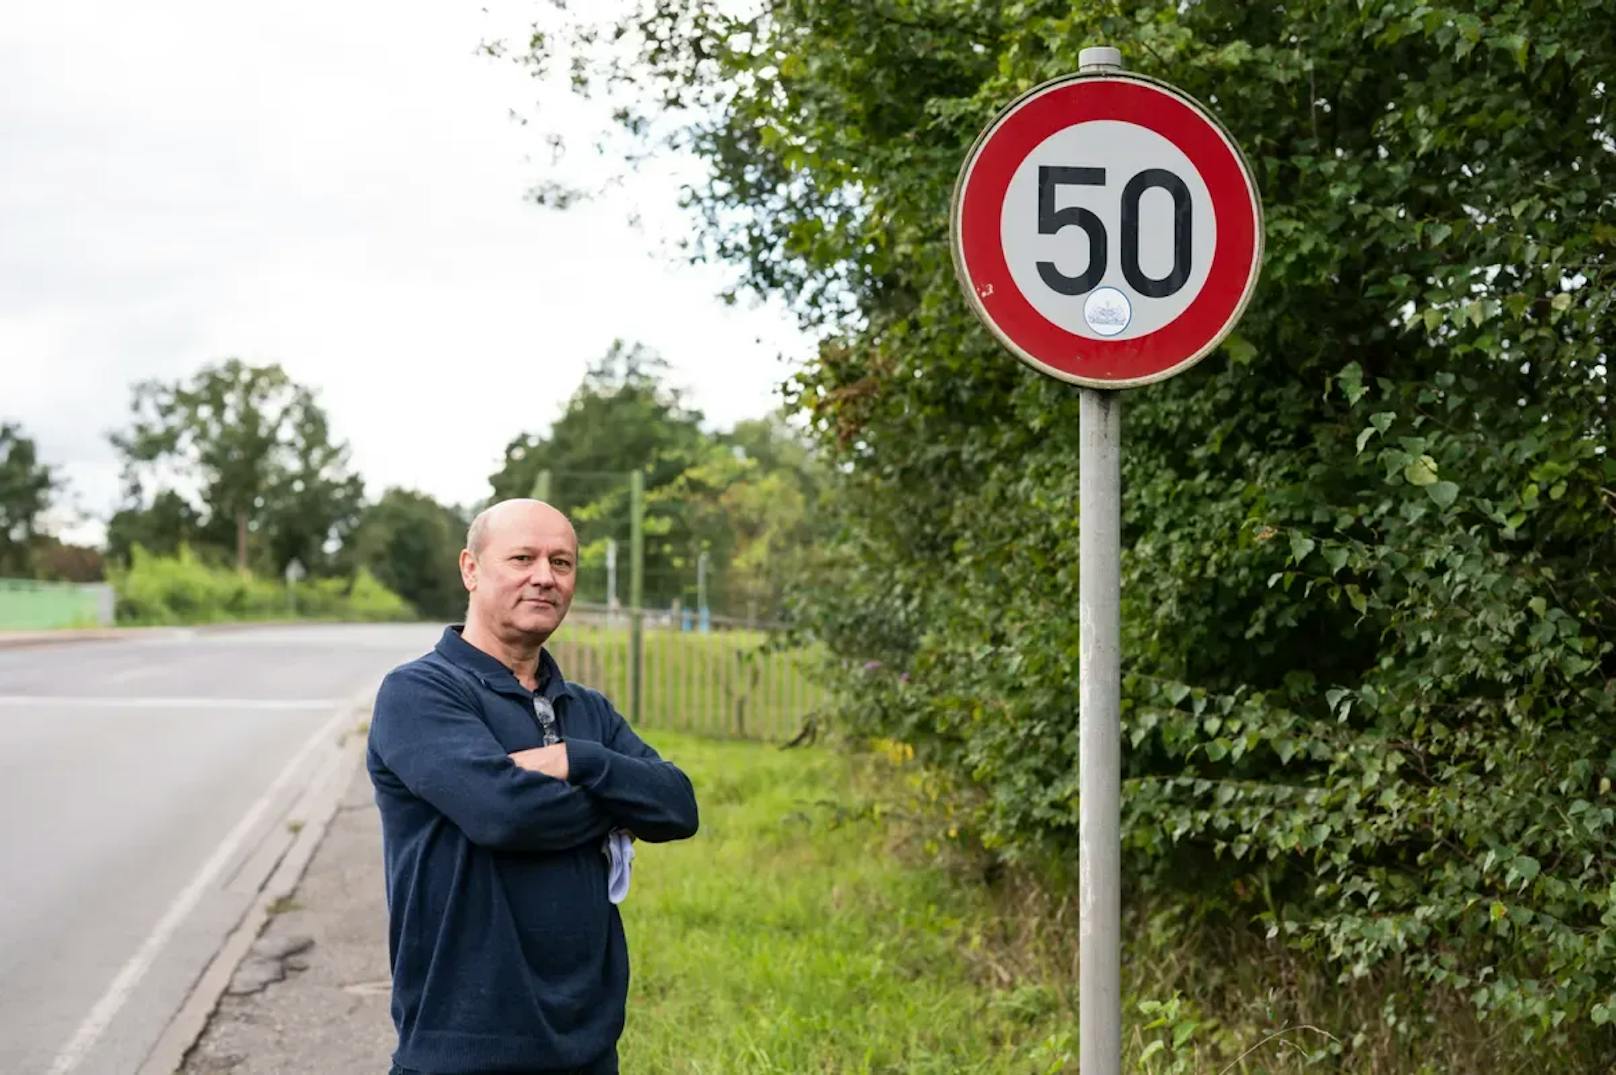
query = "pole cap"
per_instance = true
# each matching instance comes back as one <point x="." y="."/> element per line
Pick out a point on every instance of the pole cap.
<point x="1099" y="56"/>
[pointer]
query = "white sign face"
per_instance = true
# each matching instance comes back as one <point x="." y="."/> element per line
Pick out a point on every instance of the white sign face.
<point x="1108" y="230"/>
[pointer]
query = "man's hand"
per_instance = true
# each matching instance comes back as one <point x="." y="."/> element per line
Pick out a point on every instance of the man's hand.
<point x="550" y="760"/>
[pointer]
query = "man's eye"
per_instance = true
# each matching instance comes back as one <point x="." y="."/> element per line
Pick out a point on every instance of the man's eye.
<point x="522" y="557"/>
<point x="562" y="565"/>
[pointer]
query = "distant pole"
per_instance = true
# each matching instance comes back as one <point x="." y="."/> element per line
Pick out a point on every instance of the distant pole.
<point x="701" y="591"/>
<point x="611" y="580"/>
<point x="541" y="486"/>
<point x="295" y="571"/>
<point x="636" y="591"/>
<point x="1099" y="840"/>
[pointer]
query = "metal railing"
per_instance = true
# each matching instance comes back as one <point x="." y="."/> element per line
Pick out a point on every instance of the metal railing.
<point x="725" y="681"/>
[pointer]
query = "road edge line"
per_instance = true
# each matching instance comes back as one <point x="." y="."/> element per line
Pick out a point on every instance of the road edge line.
<point x="111" y="1001"/>
<point x="318" y="807"/>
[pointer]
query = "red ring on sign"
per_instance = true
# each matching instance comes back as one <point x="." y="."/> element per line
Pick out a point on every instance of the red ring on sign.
<point x="1234" y="202"/>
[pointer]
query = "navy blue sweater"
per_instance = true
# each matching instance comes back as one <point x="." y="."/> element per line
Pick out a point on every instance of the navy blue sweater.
<point x="506" y="953"/>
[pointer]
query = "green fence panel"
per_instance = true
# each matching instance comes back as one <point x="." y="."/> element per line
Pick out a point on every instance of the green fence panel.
<point x="29" y="605"/>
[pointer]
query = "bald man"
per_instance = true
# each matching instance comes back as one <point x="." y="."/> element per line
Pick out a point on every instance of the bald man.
<point x="502" y="789"/>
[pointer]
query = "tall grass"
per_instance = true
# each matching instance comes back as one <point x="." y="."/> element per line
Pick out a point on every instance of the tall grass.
<point x="828" y="918"/>
<point x="788" y="937"/>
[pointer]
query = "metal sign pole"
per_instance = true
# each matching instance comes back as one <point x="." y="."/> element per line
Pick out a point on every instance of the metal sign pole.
<point x="1055" y="162"/>
<point x="1099" y="841"/>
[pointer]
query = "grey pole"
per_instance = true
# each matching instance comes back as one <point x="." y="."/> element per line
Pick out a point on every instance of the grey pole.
<point x="636" y="593"/>
<point x="1099" y="841"/>
<point x="701" y="591"/>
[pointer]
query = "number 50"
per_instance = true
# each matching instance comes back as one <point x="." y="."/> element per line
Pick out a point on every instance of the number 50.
<point x="1052" y="220"/>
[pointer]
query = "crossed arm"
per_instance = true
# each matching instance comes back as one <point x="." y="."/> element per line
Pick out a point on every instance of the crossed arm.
<point x="547" y="799"/>
<point x="642" y="793"/>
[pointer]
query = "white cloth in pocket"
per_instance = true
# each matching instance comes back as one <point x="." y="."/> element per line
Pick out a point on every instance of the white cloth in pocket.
<point x="619" y="848"/>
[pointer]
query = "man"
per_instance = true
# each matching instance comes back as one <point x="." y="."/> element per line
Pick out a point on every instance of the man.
<point x="507" y="955"/>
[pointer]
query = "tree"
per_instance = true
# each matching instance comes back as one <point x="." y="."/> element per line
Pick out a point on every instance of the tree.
<point x="1368" y="602"/>
<point x="741" y="497"/>
<point x="159" y="528"/>
<point x="57" y="561"/>
<point x="752" y="505"/>
<point x="313" y="501"/>
<point x="26" y="486"/>
<point x="623" y="416"/>
<point x="411" y="543"/>
<point x="257" y="445"/>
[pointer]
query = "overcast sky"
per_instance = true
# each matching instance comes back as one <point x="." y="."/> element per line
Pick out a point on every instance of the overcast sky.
<point x="336" y="187"/>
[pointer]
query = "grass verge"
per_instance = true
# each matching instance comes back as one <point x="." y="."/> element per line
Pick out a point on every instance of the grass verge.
<point x="789" y="937"/>
<point x="824" y="921"/>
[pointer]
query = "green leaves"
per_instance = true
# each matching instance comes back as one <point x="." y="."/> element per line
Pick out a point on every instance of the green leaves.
<point x="26" y="486"/>
<point x="1241" y="351"/>
<point x="1522" y="871"/>
<point x="1421" y="471"/>
<point x="1336" y="557"/>
<point x="1351" y="380"/>
<point x="1397" y="681"/>
<point x="1443" y="493"/>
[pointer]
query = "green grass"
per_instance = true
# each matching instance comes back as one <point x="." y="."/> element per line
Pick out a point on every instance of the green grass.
<point x="823" y="920"/>
<point x="789" y="936"/>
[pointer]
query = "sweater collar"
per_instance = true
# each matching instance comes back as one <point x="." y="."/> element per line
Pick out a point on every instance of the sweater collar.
<point x="492" y="673"/>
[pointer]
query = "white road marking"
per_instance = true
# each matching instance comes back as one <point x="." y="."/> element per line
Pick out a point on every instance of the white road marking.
<point x="126" y="702"/>
<point x="101" y="1016"/>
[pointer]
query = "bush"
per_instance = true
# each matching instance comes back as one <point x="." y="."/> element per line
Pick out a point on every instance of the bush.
<point x="182" y="589"/>
<point x="359" y="598"/>
<point x="1369" y="609"/>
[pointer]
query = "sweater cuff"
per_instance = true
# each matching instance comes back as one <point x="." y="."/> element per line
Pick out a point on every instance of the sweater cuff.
<point x="586" y="761"/>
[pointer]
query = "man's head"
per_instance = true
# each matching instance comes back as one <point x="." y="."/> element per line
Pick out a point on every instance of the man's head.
<point x="520" y="565"/>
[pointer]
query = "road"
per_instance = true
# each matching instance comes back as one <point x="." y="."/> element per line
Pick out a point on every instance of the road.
<point x="145" y="790"/>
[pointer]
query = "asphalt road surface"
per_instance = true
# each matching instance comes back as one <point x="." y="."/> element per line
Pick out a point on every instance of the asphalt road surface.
<point x="145" y="791"/>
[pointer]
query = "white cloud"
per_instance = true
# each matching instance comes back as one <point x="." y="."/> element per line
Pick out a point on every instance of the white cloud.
<point x="337" y="188"/>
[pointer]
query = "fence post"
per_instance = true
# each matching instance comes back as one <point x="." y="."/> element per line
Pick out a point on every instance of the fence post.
<point x="636" y="594"/>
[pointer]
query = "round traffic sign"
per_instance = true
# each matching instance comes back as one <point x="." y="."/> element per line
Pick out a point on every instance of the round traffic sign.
<point x="1107" y="229"/>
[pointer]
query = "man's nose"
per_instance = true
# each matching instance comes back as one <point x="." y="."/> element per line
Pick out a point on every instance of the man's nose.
<point x="542" y="575"/>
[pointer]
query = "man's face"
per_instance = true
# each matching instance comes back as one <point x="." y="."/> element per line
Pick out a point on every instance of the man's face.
<point x="522" y="581"/>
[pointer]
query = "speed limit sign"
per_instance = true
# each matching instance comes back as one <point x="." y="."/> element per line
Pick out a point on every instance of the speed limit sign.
<point x="1107" y="229"/>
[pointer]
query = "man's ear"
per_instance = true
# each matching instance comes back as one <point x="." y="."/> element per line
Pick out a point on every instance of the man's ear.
<point x="468" y="569"/>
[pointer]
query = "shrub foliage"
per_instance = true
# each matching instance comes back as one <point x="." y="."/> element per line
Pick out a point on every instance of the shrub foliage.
<point x="183" y="589"/>
<point x="1368" y="595"/>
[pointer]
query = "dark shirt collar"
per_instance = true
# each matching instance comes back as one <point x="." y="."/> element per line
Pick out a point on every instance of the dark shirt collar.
<point x="493" y="674"/>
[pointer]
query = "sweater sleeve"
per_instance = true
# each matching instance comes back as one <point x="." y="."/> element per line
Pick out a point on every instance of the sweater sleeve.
<point x="649" y="796"/>
<point x="431" y="738"/>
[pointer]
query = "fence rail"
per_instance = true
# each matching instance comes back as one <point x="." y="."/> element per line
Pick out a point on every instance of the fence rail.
<point x="726" y="681"/>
